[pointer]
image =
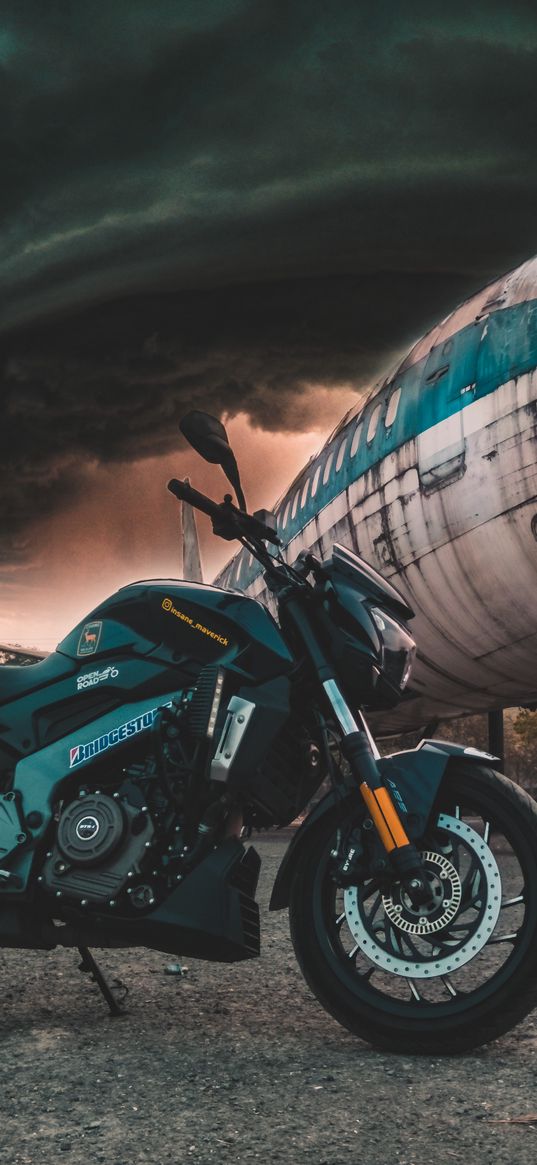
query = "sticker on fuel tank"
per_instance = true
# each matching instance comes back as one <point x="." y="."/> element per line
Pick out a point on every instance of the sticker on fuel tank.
<point x="92" y="748"/>
<point x="167" y="605"/>
<point x="91" y="678"/>
<point x="89" y="639"/>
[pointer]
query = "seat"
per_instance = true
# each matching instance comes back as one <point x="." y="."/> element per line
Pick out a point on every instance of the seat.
<point x="18" y="680"/>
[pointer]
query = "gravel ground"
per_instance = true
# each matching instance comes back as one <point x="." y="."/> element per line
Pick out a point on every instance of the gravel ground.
<point x="237" y="1063"/>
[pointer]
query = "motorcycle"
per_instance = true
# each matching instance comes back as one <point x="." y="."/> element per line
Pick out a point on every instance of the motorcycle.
<point x="178" y="717"/>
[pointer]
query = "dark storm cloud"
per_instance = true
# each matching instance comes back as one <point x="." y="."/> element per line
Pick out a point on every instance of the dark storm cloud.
<point x="261" y="140"/>
<point x="222" y="203"/>
<point x="110" y="382"/>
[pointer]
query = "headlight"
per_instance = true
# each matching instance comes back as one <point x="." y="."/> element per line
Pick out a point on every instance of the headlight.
<point x="398" y="649"/>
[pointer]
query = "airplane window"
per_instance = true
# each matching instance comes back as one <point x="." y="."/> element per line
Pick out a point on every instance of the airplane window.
<point x="315" y="481"/>
<point x="304" y="493"/>
<point x="373" y="422"/>
<point x="340" y="456"/>
<point x="356" y="439"/>
<point x="327" y="468"/>
<point x="295" y="503"/>
<point x="393" y="405"/>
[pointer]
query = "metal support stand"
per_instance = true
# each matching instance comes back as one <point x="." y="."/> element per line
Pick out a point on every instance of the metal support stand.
<point x="90" y="966"/>
<point x="496" y="735"/>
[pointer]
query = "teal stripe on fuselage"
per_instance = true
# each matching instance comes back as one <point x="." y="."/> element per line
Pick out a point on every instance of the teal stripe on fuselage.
<point x="483" y="355"/>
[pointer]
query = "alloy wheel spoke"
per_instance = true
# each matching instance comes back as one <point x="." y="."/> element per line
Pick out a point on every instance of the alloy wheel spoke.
<point x="455" y="856"/>
<point x="512" y="901"/>
<point x="449" y="985"/>
<point x="459" y="928"/>
<point x="471" y="888"/>
<point x="503" y="938"/>
<point x="414" y="990"/>
<point x="375" y="907"/>
<point x="443" y="947"/>
<point x="402" y="944"/>
<point x="369" y="889"/>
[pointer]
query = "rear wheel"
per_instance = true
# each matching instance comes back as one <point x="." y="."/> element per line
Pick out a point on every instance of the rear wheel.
<point x="442" y="979"/>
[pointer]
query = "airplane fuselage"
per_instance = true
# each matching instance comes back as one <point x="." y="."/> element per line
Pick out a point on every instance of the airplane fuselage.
<point x="433" y="480"/>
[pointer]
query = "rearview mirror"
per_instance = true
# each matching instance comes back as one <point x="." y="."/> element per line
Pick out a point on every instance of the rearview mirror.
<point x="208" y="437"/>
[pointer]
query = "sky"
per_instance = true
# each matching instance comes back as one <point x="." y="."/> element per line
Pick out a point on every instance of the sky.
<point x="247" y="207"/>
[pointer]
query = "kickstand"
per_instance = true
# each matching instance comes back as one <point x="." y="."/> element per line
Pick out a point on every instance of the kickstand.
<point x="89" y="965"/>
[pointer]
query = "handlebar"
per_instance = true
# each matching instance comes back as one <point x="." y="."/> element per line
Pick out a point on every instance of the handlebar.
<point x="228" y="521"/>
<point x="185" y="493"/>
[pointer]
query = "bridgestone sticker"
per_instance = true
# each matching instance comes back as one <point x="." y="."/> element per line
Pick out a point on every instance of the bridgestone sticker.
<point x="92" y="748"/>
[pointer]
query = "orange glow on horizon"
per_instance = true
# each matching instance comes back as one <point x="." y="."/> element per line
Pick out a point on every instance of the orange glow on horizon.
<point x="126" y="526"/>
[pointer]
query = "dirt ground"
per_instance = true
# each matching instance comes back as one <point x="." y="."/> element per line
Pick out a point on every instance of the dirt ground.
<point x="237" y="1063"/>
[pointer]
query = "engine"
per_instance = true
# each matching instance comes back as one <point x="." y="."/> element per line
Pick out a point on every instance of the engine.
<point x="124" y="844"/>
<point x="127" y="843"/>
<point x="101" y="845"/>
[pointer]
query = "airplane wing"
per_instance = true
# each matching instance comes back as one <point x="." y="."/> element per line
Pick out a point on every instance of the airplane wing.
<point x="192" y="569"/>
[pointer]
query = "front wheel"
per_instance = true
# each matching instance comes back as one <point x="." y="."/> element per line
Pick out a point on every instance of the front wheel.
<point x="442" y="979"/>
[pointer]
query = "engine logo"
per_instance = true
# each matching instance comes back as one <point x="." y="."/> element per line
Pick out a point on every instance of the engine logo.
<point x="87" y="828"/>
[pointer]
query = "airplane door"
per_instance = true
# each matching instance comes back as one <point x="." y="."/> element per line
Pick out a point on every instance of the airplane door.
<point x="449" y="375"/>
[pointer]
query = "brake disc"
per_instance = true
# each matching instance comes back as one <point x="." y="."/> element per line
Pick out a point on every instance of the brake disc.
<point x="383" y="939"/>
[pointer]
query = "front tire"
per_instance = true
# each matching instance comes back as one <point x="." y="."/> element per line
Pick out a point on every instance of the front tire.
<point x="439" y="984"/>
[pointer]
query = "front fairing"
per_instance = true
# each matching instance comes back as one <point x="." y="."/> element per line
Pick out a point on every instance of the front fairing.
<point x="367" y="582"/>
<point x="370" y="643"/>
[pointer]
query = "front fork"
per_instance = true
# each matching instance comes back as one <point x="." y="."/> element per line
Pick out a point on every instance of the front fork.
<point x="360" y="750"/>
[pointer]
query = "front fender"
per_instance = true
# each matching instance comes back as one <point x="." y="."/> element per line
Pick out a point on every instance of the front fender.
<point x="413" y="778"/>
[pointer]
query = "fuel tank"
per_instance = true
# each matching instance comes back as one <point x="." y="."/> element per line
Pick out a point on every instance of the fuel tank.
<point x="149" y="638"/>
<point x="184" y="623"/>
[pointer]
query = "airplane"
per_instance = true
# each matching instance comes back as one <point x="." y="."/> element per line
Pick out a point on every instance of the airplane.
<point x="432" y="478"/>
<point x="192" y="568"/>
<point x="14" y="653"/>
